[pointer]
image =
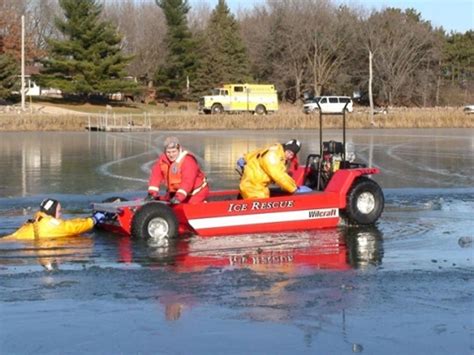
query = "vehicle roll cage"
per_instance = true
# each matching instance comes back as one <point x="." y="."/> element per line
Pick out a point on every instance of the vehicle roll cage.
<point x="321" y="146"/>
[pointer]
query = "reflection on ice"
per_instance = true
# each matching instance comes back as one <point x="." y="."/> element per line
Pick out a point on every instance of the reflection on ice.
<point x="49" y="253"/>
<point x="338" y="249"/>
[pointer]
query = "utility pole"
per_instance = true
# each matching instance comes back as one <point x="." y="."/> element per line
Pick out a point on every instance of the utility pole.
<point x="371" y="99"/>
<point x="23" y="63"/>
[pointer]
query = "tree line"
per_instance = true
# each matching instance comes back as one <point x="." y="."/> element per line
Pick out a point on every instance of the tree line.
<point x="304" y="47"/>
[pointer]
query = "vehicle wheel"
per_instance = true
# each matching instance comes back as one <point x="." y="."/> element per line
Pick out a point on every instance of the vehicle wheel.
<point x="217" y="109"/>
<point x="260" y="110"/>
<point x="154" y="221"/>
<point x="365" y="201"/>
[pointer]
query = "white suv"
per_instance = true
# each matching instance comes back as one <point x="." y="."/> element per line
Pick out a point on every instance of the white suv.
<point x="329" y="104"/>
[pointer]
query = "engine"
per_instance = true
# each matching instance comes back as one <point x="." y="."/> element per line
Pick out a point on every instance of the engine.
<point x="332" y="160"/>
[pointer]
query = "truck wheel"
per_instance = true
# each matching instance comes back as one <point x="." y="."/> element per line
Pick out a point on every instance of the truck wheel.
<point x="365" y="201"/>
<point x="260" y="110"/>
<point x="154" y="220"/>
<point x="217" y="109"/>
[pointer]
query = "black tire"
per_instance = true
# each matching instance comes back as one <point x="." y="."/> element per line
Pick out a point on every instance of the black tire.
<point x="365" y="201"/>
<point x="217" y="109"/>
<point x="260" y="110"/>
<point x="114" y="199"/>
<point x="154" y="220"/>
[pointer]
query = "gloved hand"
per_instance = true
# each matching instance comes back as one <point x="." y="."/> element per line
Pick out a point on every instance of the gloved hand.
<point x="150" y="197"/>
<point x="241" y="163"/>
<point x="98" y="217"/>
<point x="175" y="201"/>
<point x="302" y="189"/>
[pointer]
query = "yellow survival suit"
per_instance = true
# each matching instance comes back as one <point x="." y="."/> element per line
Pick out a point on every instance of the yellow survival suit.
<point x="46" y="226"/>
<point x="263" y="167"/>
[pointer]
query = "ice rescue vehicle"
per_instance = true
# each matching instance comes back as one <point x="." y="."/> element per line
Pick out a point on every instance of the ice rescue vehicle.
<point x="342" y="191"/>
<point x="254" y="98"/>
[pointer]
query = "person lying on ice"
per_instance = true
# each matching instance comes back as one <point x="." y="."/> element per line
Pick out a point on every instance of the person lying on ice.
<point x="269" y="165"/>
<point x="47" y="223"/>
<point x="179" y="170"/>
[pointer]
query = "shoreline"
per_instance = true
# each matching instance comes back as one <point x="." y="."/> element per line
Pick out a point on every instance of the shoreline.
<point x="286" y="119"/>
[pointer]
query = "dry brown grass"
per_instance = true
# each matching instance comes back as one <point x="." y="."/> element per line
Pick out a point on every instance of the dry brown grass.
<point x="288" y="117"/>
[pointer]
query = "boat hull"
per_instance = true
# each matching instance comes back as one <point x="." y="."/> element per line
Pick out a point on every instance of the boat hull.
<point x="279" y="214"/>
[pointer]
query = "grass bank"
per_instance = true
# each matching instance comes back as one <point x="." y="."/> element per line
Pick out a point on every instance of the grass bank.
<point x="67" y="118"/>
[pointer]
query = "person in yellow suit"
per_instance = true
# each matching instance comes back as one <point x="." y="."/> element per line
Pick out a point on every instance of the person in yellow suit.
<point x="47" y="223"/>
<point x="266" y="166"/>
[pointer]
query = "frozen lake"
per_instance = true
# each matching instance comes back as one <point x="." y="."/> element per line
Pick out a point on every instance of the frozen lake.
<point x="402" y="286"/>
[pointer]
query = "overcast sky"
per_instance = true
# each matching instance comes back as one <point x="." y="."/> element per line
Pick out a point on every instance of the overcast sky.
<point x="453" y="15"/>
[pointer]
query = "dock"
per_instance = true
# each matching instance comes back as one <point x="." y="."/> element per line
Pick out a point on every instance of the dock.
<point x="119" y="123"/>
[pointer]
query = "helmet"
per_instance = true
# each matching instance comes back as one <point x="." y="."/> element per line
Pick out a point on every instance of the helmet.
<point x="294" y="145"/>
<point x="49" y="206"/>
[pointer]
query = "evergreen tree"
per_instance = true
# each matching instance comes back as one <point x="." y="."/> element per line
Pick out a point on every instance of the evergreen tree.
<point x="8" y="72"/>
<point x="459" y="54"/>
<point x="88" y="60"/>
<point x="223" y="55"/>
<point x="171" y="79"/>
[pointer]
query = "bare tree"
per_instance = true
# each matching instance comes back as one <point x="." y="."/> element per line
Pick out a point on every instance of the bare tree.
<point x="326" y="35"/>
<point x="143" y="27"/>
<point x="306" y="42"/>
<point x="255" y="25"/>
<point x="402" y="44"/>
<point x="198" y="17"/>
<point x="286" y="48"/>
<point x="41" y="15"/>
<point x="10" y="28"/>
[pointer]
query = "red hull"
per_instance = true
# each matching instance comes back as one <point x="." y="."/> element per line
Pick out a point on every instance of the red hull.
<point x="225" y="214"/>
<point x="298" y="212"/>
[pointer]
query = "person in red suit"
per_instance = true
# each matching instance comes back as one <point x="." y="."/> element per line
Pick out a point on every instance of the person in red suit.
<point x="179" y="171"/>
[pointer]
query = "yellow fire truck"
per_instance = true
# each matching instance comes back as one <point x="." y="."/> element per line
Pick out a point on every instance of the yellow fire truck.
<point x="255" y="98"/>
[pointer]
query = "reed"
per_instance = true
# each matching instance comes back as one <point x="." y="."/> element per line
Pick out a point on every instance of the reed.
<point x="288" y="117"/>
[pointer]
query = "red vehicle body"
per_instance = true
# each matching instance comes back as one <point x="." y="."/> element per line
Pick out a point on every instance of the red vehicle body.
<point x="339" y="189"/>
<point x="225" y="214"/>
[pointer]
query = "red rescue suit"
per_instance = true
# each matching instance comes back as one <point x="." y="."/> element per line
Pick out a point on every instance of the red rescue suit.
<point x="183" y="178"/>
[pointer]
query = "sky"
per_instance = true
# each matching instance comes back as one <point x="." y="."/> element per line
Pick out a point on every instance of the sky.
<point x="453" y="15"/>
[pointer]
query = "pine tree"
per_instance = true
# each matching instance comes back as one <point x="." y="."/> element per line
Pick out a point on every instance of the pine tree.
<point x="172" y="78"/>
<point x="8" y="74"/>
<point x="88" y="61"/>
<point x="223" y="54"/>
<point x="458" y="52"/>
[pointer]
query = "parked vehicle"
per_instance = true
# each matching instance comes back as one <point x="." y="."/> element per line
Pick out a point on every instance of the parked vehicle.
<point x="255" y="98"/>
<point x="328" y="104"/>
<point x="469" y="109"/>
